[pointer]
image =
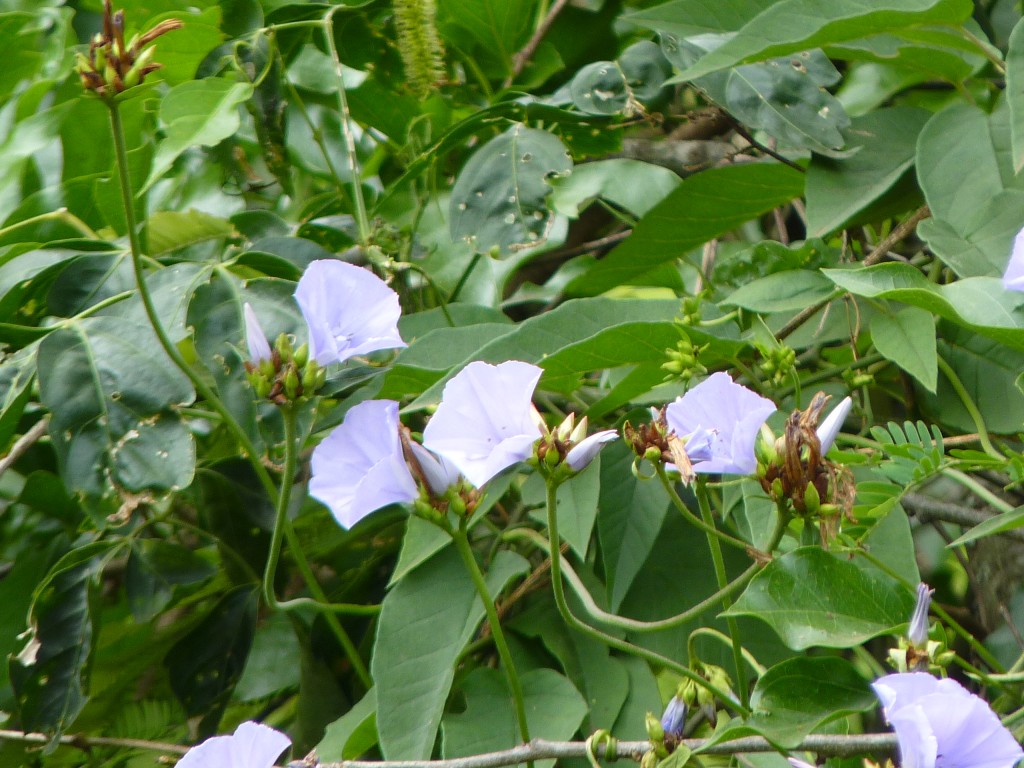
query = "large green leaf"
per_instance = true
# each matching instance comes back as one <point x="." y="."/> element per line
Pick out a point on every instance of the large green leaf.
<point x="493" y="30"/>
<point x="782" y="292"/>
<point x="978" y="303"/>
<point x="554" y="710"/>
<point x="196" y="113"/>
<point x="974" y="215"/>
<point x="113" y="395"/>
<point x="1015" y="94"/>
<point x="794" y="698"/>
<point x="630" y="184"/>
<point x="498" y="201"/>
<point x="155" y="569"/>
<point x="908" y="339"/>
<point x="839" y="188"/>
<point x="353" y="734"/>
<point x="799" y="596"/>
<point x="705" y="206"/>
<point x="794" y="25"/>
<point x="426" y="620"/>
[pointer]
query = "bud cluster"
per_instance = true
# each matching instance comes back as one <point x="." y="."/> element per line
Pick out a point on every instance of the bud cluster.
<point x="287" y="374"/>
<point x="778" y="363"/>
<point x="682" y="361"/>
<point x="793" y="469"/>
<point x="650" y="440"/>
<point x="566" y="449"/>
<point x="112" y="66"/>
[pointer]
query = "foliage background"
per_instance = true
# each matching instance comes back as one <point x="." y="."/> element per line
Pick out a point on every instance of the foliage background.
<point x="741" y="183"/>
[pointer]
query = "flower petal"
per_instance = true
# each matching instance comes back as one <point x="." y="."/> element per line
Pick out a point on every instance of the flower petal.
<point x="581" y="454"/>
<point x="829" y="428"/>
<point x="349" y="311"/>
<point x="439" y="472"/>
<point x="1013" y="277"/>
<point x="359" y="467"/>
<point x="252" y="745"/>
<point x="484" y="423"/>
<point x="721" y="419"/>
<point x="255" y="338"/>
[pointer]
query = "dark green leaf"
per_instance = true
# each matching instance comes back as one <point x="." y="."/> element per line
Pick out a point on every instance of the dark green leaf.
<point x="782" y="292"/>
<point x="353" y="734"/>
<point x="155" y="569"/>
<point x="908" y="339"/>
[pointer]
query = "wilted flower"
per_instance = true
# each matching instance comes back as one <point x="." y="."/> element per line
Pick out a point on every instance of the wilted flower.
<point x="918" y="630"/>
<point x="939" y="724"/>
<point x="255" y="338"/>
<point x="485" y="421"/>
<point x="674" y="717"/>
<point x="359" y="467"/>
<point x="829" y="428"/>
<point x="581" y="454"/>
<point x="252" y="745"/>
<point x="349" y="311"/>
<point x="719" y="419"/>
<point x="1013" y="277"/>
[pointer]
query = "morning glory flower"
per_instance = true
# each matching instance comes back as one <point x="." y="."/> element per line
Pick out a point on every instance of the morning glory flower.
<point x="829" y="428"/>
<point x="252" y="745"/>
<point x="940" y="724"/>
<point x="581" y="454"/>
<point x="349" y="311"/>
<point x="439" y="473"/>
<point x="918" y="631"/>
<point x="360" y="467"/>
<point x="719" y="420"/>
<point x="485" y="422"/>
<point x="674" y="717"/>
<point x="255" y="338"/>
<point x="1013" y="277"/>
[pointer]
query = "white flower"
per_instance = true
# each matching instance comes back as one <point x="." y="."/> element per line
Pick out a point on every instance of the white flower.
<point x="252" y="745"/>
<point x="829" y="428"/>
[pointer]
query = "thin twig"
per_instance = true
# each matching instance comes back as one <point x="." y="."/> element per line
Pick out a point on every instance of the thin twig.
<point x="901" y="230"/>
<point x="927" y="509"/>
<point x="521" y="59"/>
<point x="87" y="742"/>
<point x="540" y="749"/>
<point x="767" y="150"/>
<point x="23" y="443"/>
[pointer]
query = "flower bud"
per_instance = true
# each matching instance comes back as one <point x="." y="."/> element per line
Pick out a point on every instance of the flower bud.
<point x="292" y="386"/>
<point x="812" y="499"/>
<point x="917" y="633"/>
<point x="674" y="718"/>
<point x="301" y="356"/>
<point x="655" y="730"/>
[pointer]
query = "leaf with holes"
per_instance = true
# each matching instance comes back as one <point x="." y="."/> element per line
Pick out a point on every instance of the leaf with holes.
<point x="113" y="395"/>
<point x="498" y="203"/>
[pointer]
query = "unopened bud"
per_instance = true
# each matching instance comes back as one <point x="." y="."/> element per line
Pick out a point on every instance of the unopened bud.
<point x="301" y="355"/>
<point x="655" y="730"/>
<point x="291" y="383"/>
<point x="917" y="633"/>
<point x="457" y="504"/>
<point x="812" y="500"/>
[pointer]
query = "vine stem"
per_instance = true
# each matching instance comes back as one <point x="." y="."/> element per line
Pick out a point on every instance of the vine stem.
<point x="603" y="637"/>
<point x="461" y="539"/>
<point x="718" y="561"/>
<point x="835" y="745"/>
<point x="362" y="220"/>
<point x="970" y="407"/>
<point x="709" y="529"/>
<point x="204" y="390"/>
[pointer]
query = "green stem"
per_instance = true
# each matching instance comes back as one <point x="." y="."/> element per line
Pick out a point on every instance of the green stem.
<point x="710" y="530"/>
<point x="61" y="214"/>
<point x="970" y="407"/>
<point x="610" y="640"/>
<point x="461" y="539"/>
<point x="204" y="391"/>
<point x="362" y="221"/>
<point x="704" y="502"/>
<point x="755" y="665"/>
<point x="978" y="489"/>
<point x="464" y="277"/>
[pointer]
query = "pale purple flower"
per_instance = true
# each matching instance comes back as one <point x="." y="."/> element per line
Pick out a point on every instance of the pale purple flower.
<point x="349" y="311"/>
<point x="917" y="633"/>
<point x="796" y="763"/>
<point x="674" y="717"/>
<point x="940" y="724"/>
<point x="581" y="454"/>
<point x="360" y="467"/>
<point x="255" y="338"/>
<point x="829" y="428"/>
<point x="439" y="473"/>
<point x="719" y="420"/>
<point x="1013" y="277"/>
<point x="252" y="745"/>
<point x="485" y="421"/>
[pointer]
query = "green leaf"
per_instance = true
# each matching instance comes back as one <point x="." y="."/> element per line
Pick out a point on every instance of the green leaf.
<point x="1015" y="94"/>
<point x="796" y="595"/>
<point x="630" y="184"/>
<point x="705" y="206"/>
<point x="264" y="674"/>
<point x="182" y="52"/>
<point x="205" y="664"/>
<point x="50" y="672"/>
<point x="978" y="303"/>
<point x="414" y="668"/>
<point x="196" y="113"/>
<point x="782" y="292"/>
<point x="353" y="734"/>
<point x="613" y="87"/>
<point x="155" y="568"/>
<point x="16" y="376"/>
<point x="790" y="26"/>
<point x="167" y="231"/>
<point x="576" y="504"/>
<point x="797" y="696"/>
<point x="908" y="339"/>
<point x="113" y="393"/>
<point x="493" y="30"/>
<point x="974" y="215"/>
<point x="554" y="710"/>
<point x="838" y="189"/>
<point x="1001" y="523"/>
<point x="498" y="201"/>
